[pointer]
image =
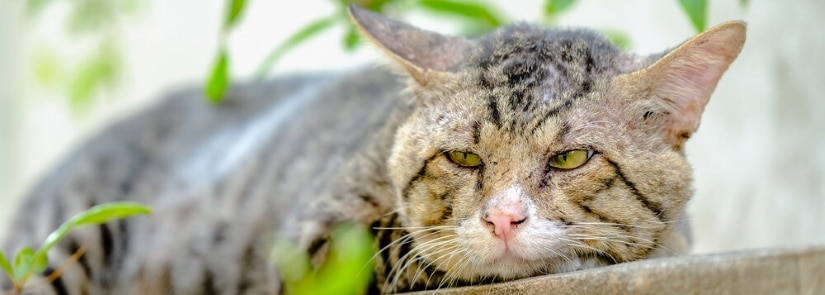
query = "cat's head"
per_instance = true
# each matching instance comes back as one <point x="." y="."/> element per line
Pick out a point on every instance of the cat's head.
<point x="536" y="151"/>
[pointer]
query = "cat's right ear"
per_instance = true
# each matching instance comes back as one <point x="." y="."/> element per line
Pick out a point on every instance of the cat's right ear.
<point x="680" y="83"/>
<point x="424" y="55"/>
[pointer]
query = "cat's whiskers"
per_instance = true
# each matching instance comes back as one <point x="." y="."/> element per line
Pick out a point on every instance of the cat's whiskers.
<point x="421" y="267"/>
<point x="607" y="235"/>
<point x="405" y="262"/>
<point x="407" y="228"/>
<point x="451" y="275"/>
<point x="579" y="244"/>
<point x="535" y="251"/>
<point x="459" y="268"/>
<point x="406" y="238"/>
<point x="449" y="253"/>
<point x="622" y="239"/>
<point x="618" y="224"/>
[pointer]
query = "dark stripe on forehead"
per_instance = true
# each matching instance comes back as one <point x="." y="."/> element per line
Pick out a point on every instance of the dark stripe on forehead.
<point x="563" y="131"/>
<point x="476" y="132"/>
<point x="654" y="207"/>
<point x="495" y="116"/>
<point x="552" y="113"/>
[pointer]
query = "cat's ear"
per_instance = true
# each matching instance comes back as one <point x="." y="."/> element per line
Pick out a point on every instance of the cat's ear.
<point x="421" y="53"/>
<point x="681" y="82"/>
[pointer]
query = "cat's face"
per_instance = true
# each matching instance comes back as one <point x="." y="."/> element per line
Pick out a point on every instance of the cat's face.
<point x="535" y="151"/>
<point x="509" y="181"/>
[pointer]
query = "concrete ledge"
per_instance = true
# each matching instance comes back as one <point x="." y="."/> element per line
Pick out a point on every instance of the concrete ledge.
<point x="767" y="271"/>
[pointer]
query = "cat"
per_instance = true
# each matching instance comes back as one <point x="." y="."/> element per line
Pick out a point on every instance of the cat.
<point x="524" y="152"/>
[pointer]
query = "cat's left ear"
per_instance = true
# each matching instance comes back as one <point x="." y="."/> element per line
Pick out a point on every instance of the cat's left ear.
<point x="681" y="82"/>
<point x="424" y="55"/>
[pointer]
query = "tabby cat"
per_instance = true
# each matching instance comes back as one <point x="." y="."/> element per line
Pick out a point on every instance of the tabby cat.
<point x="524" y="152"/>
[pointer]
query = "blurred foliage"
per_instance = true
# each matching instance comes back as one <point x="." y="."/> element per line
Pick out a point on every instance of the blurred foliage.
<point x="347" y="269"/>
<point x="696" y="11"/>
<point x="554" y="8"/>
<point x="477" y="17"/>
<point x="28" y="262"/>
<point x="95" y="25"/>
<point x="98" y="22"/>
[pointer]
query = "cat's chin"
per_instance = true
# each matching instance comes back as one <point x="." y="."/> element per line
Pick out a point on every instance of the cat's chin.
<point x="511" y="267"/>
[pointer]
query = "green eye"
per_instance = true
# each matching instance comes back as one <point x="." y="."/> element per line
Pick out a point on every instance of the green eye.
<point x="570" y="159"/>
<point x="464" y="159"/>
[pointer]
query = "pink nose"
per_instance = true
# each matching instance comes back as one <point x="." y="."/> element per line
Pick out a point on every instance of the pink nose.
<point x="504" y="221"/>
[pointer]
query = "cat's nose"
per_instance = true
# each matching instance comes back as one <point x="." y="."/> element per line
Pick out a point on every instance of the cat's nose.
<point x="503" y="220"/>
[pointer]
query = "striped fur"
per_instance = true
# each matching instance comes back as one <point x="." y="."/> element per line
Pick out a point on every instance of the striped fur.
<point x="297" y="155"/>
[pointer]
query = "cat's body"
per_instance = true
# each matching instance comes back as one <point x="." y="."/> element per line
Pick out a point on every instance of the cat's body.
<point x="529" y="151"/>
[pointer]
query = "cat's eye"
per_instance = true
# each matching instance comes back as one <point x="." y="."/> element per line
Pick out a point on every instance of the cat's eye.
<point x="570" y="159"/>
<point x="465" y="159"/>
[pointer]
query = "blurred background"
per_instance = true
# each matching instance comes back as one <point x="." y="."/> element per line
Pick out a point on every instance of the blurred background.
<point x="69" y="68"/>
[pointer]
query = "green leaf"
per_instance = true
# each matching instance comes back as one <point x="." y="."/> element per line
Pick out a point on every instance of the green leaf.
<point x="22" y="264"/>
<point x="743" y="3"/>
<point x="471" y="10"/>
<point x="553" y="8"/>
<point x="236" y="7"/>
<point x="47" y="68"/>
<point x="293" y="264"/>
<point x="348" y="267"/>
<point x="34" y="7"/>
<point x="696" y="10"/>
<point x="131" y="6"/>
<point x="351" y="39"/>
<point x="96" y="215"/>
<point x="105" y="212"/>
<point x="26" y="263"/>
<point x="92" y="16"/>
<point x="39" y="263"/>
<point x="5" y="265"/>
<point x="312" y="29"/>
<point x="619" y="38"/>
<point x="219" y="78"/>
<point x="376" y="5"/>
<point x="99" y="70"/>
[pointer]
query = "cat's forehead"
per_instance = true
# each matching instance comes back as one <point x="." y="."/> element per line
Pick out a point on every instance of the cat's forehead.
<point x="525" y="77"/>
<point x="564" y="61"/>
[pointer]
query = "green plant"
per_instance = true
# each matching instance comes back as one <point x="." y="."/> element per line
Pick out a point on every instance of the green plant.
<point x="97" y="22"/>
<point x="96" y="25"/>
<point x="478" y="17"/>
<point x="28" y="262"/>
<point x="347" y="269"/>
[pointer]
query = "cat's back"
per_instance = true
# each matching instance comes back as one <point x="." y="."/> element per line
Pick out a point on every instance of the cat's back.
<point x="217" y="176"/>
